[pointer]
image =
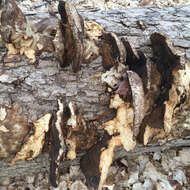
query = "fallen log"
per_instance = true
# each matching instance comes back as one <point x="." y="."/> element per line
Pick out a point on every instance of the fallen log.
<point x="37" y="87"/>
<point x="41" y="163"/>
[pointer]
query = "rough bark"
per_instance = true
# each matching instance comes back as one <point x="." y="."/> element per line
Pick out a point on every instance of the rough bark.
<point x="37" y="87"/>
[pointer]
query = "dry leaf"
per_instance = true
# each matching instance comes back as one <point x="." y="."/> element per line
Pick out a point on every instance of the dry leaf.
<point x="35" y="142"/>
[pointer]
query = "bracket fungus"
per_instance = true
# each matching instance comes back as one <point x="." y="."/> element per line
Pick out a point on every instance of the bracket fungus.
<point x="79" y="135"/>
<point x="58" y="144"/>
<point x="76" y="40"/>
<point x="172" y="88"/>
<point x="113" y="50"/>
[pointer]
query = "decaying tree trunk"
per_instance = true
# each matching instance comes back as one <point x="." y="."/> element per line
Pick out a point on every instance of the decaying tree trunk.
<point x="41" y="163"/>
<point x="36" y="87"/>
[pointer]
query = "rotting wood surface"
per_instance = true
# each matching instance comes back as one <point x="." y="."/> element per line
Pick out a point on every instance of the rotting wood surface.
<point x="36" y="88"/>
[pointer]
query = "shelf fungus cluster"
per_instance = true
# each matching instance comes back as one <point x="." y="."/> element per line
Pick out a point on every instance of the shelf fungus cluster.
<point x="70" y="134"/>
<point x="146" y="94"/>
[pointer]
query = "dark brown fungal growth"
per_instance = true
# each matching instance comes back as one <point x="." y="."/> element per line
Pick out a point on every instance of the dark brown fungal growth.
<point x="113" y="50"/>
<point x="167" y="72"/>
<point x="165" y="61"/>
<point x="138" y="63"/>
<point x="131" y="90"/>
<point x="21" y="36"/>
<point x="70" y="134"/>
<point x="72" y="29"/>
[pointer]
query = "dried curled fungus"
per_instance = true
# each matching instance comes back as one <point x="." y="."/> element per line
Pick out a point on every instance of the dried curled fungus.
<point x="113" y="50"/>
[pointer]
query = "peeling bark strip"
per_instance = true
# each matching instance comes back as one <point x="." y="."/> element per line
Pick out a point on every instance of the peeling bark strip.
<point x="58" y="145"/>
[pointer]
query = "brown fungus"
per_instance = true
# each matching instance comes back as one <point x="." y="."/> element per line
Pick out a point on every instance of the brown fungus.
<point x="70" y="134"/>
<point x="120" y="129"/>
<point x="113" y="50"/>
<point x="72" y="29"/>
<point x="89" y="163"/>
<point x="137" y="99"/>
<point x="137" y="62"/>
<point x="170" y="79"/>
<point x="77" y="41"/>
<point x="34" y="144"/>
